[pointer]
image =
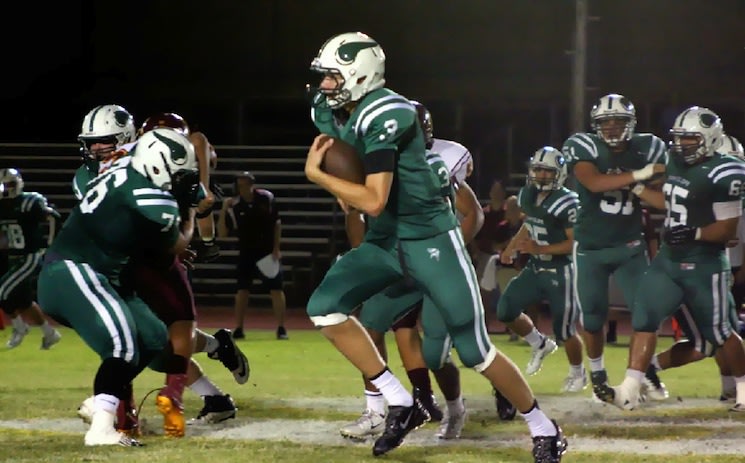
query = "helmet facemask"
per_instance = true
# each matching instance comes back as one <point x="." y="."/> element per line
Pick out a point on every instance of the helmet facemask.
<point x="613" y="107"/>
<point x="701" y="126"/>
<point x="546" y="161"/>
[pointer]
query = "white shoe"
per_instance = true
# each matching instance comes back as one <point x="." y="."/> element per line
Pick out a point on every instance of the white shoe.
<point x="16" y="338"/>
<point x="367" y="425"/>
<point x="575" y="383"/>
<point x="738" y="408"/>
<point x="451" y="426"/>
<point x="50" y="340"/>
<point x="102" y="432"/>
<point x="85" y="410"/>
<point x="622" y="398"/>
<point x="652" y="391"/>
<point x="536" y="359"/>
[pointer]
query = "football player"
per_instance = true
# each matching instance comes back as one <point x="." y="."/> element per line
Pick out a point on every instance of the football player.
<point x="404" y="302"/>
<point x="125" y="209"/>
<point x="208" y="251"/>
<point x="609" y="234"/>
<point x="412" y="235"/>
<point x="547" y="236"/>
<point x="690" y="349"/>
<point x="22" y="216"/>
<point x="702" y="196"/>
<point x="163" y="284"/>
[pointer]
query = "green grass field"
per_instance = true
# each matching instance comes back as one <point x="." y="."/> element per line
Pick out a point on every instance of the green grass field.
<point x="303" y="384"/>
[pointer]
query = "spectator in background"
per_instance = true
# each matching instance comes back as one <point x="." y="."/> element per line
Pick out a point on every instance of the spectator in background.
<point x="253" y="216"/>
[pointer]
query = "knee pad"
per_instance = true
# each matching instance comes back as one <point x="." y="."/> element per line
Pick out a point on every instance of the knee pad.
<point x="319" y="321"/>
<point x="436" y="352"/>
<point x="592" y="323"/>
<point x="490" y="356"/>
<point x="504" y="314"/>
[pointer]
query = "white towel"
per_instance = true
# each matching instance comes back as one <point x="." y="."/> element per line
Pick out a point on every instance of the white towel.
<point x="489" y="278"/>
<point x="268" y="266"/>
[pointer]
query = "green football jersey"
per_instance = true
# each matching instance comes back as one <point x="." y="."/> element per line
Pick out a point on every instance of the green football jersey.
<point x="83" y="176"/>
<point x="548" y="220"/>
<point x="121" y="212"/>
<point x="21" y="221"/>
<point x="699" y="195"/>
<point x="384" y="120"/>
<point x="438" y="166"/>
<point x="612" y="218"/>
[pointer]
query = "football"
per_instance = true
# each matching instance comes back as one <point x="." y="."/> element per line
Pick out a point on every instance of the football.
<point x="342" y="161"/>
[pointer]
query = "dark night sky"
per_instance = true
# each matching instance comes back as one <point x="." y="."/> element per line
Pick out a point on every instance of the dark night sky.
<point x="483" y="66"/>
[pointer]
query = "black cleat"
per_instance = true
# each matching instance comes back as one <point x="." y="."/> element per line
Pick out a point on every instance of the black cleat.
<point x="430" y="404"/>
<point x="400" y="422"/>
<point x="282" y="333"/>
<point x="505" y="410"/>
<point x="217" y="408"/>
<point x="231" y="356"/>
<point x="549" y="449"/>
<point x="600" y="386"/>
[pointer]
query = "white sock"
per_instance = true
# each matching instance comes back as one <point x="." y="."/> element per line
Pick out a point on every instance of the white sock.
<point x="539" y="423"/>
<point x="728" y="383"/>
<point x="392" y="389"/>
<point x="375" y="402"/>
<point x="203" y="386"/>
<point x="635" y="374"/>
<point x="655" y="363"/>
<point x="534" y="338"/>
<point x="18" y="324"/>
<point x="455" y="407"/>
<point x="106" y="402"/>
<point x="577" y="370"/>
<point x="740" y="385"/>
<point x="46" y="328"/>
<point x="211" y="344"/>
<point x="597" y="364"/>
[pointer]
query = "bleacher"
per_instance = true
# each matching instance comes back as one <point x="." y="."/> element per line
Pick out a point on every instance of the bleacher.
<point x="312" y="223"/>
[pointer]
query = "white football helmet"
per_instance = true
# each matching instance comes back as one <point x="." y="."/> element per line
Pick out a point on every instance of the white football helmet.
<point x="547" y="158"/>
<point x="11" y="183"/>
<point x="360" y="62"/>
<point x="164" y="155"/>
<point x="614" y="106"/>
<point x="110" y="124"/>
<point x="732" y="147"/>
<point x="699" y="122"/>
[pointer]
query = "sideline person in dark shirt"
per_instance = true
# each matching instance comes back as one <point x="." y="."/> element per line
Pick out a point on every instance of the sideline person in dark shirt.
<point x="253" y="217"/>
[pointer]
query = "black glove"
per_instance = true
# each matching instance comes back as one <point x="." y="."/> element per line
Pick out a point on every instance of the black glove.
<point x="682" y="234"/>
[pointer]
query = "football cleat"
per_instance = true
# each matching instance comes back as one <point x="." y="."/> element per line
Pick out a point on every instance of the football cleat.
<point x="173" y="415"/>
<point x="400" y="422"/>
<point x="217" y="408"/>
<point x="505" y="410"/>
<point x="230" y="355"/>
<point x="547" y="348"/>
<point x="728" y="395"/>
<point x="369" y="424"/>
<point x="50" y="340"/>
<point x="549" y="449"/>
<point x="16" y="338"/>
<point x="575" y="383"/>
<point x="452" y="425"/>
<point x="652" y="387"/>
<point x="430" y="404"/>
<point x="102" y="432"/>
<point x="738" y="407"/>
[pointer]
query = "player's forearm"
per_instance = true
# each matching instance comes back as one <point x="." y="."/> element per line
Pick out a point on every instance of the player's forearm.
<point x="364" y="198"/>
<point x="600" y="183"/>
<point x="650" y="196"/>
<point x="557" y="249"/>
<point x="720" y="231"/>
<point x="521" y="235"/>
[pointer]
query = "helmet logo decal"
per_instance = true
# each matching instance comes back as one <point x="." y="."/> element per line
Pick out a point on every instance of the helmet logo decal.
<point x="347" y="53"/>
<point x="178" y="152"/>
<point x="707" y="119"/>
<point x="121" y="118"/>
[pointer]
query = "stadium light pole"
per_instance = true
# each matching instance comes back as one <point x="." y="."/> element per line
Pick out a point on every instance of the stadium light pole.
<point x="579" y="67"/>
